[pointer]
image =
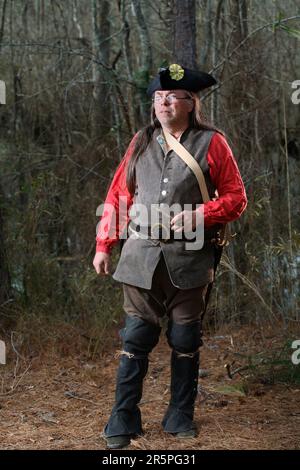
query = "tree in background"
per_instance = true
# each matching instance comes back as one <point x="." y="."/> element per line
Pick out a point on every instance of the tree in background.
<point x="76" y="75"/>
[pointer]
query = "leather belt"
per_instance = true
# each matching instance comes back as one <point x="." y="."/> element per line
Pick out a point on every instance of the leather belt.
<point x="158" y="232"/>
<point x="161" y="233"/>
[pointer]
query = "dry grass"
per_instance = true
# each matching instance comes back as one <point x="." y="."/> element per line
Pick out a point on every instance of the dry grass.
<point x="64" y="402"/>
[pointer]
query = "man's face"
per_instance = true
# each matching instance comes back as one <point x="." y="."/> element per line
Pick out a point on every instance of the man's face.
<point x="172" y="107"/>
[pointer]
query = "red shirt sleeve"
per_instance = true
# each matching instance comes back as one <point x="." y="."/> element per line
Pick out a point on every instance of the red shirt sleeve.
<point x="225" y="175"/>
<point x="114" y="217"/>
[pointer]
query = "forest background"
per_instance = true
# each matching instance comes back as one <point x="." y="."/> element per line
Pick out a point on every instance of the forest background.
<point x="76" y="73"/>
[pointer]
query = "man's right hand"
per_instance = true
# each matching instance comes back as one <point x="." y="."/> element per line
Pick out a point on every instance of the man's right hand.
<point x="102" y="263"/>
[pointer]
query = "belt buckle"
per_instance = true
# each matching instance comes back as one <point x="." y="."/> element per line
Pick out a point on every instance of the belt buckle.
<point x="158" y="229"/>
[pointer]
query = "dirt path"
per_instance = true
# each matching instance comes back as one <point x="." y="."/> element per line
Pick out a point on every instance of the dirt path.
<point x="64" y="403"/>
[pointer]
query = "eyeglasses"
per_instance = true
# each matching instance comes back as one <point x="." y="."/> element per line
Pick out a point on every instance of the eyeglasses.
<point x="169" y="98"/>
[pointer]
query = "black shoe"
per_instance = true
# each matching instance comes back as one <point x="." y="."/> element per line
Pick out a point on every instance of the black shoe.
<point x="117" y="442"/>
<point x="190" y="434"/>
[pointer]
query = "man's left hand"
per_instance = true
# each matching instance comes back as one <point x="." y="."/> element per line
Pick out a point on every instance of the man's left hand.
<point x="184" y="221"/>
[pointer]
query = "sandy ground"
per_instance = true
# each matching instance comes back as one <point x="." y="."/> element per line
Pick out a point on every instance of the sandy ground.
<point x="64" y="402"/>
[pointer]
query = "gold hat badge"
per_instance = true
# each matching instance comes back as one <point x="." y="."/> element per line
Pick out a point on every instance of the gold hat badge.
<point x="176" y="72"/>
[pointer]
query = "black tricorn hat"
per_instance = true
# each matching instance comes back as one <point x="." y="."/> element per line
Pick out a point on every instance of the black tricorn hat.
<point x="177" y="77"/>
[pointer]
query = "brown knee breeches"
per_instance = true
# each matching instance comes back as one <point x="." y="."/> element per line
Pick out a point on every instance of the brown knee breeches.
<point x="181" y="306"/>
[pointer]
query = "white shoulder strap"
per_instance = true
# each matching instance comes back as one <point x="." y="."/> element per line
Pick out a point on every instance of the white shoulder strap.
<point x="190" y="161"/>
<point x="224" y="235"/>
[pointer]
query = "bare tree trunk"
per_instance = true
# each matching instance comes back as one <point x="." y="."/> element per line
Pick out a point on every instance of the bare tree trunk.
<point x="184" y="48"/>
<point x="2" y="21"/>
<point x="5" y="282"/>
<point x="243" y="17"/>
<point x="145" y="44"/>
<point x="207" y="37"/>
<point x="101" y="77"/>
<point x="217" y="41"/>
<point x="127" y="54"/>
<point x="76" y="20"/>
<point x="142" y="76"/>
<point x="125" y="43"/>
